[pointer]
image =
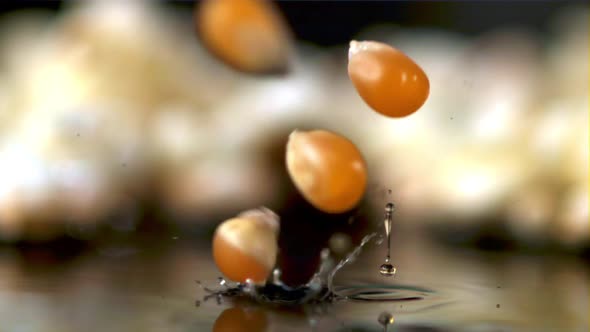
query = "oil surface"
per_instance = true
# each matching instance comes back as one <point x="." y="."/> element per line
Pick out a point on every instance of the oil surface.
<point x="439" y="290"/>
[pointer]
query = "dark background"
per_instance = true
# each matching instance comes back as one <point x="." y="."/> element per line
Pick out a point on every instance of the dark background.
<point x="336" y="22"/>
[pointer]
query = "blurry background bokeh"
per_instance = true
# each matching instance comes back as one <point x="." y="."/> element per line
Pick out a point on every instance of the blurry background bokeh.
<point x="124" y="142"/>
<point x="114" y="119"/>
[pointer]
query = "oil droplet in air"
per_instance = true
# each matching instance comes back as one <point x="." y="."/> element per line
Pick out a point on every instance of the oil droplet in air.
<point x="385" y="319"/>
<point x="387" y="269"/>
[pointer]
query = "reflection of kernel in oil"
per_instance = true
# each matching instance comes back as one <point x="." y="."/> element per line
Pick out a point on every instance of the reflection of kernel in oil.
<point x="241" y="320"/>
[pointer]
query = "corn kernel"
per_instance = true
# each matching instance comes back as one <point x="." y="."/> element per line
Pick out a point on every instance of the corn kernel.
<point x="327" y="169"/>
<point x="245" y="247"/>
<point x="248" y="35"/>
<point x="387" y="79"/>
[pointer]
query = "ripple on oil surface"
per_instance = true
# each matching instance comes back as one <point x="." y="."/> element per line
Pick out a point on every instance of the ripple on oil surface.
<point x="383" y="293"/>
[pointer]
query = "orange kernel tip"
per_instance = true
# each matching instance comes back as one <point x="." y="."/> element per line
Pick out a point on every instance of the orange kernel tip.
<point x="262" y="215"/>
<point x="359" y="46"/>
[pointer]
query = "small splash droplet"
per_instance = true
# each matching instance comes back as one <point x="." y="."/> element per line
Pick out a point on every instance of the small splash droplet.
<point x="379" y="240"/>
<point x="385" y="319"/>
<point x="497" y="305"/>
<point x="197" y="303"/>
<point x="389" y="207"/>
<point x="276" y="276"/>
<point x="222" y="281"/>
<point x="387" y="270"/>
<point x="249" y="287"/>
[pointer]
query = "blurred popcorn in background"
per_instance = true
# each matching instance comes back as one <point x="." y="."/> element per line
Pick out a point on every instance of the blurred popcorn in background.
<point x="113" y="104"/>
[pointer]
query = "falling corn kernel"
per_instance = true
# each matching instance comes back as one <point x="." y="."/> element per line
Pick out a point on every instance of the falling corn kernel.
<point x="245" y="247"/>
<point x="327" y="169"/>
<point x="248" y="35"/>
<point x="239" y="319"/>
<point x="387" y="79"/>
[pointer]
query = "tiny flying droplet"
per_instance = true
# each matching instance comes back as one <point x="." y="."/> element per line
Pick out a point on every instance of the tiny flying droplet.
<point x="379" y="240"/>
<point x="276" y="276"/>
<point x="387" y="270"/>
<point x="389" y="207"/>
<point x="197" y="303"/>
<point x="385" y="318"/>
<point x="497" y="305"/>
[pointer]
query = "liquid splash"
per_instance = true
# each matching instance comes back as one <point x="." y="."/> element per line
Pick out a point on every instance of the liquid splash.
<point x="320" y="288"/>
<point x="350" y="258"/>
<point x="387" y="269"/>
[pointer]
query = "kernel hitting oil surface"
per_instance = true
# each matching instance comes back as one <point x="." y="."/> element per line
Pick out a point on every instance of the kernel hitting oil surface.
<point x="320" y="289"/>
